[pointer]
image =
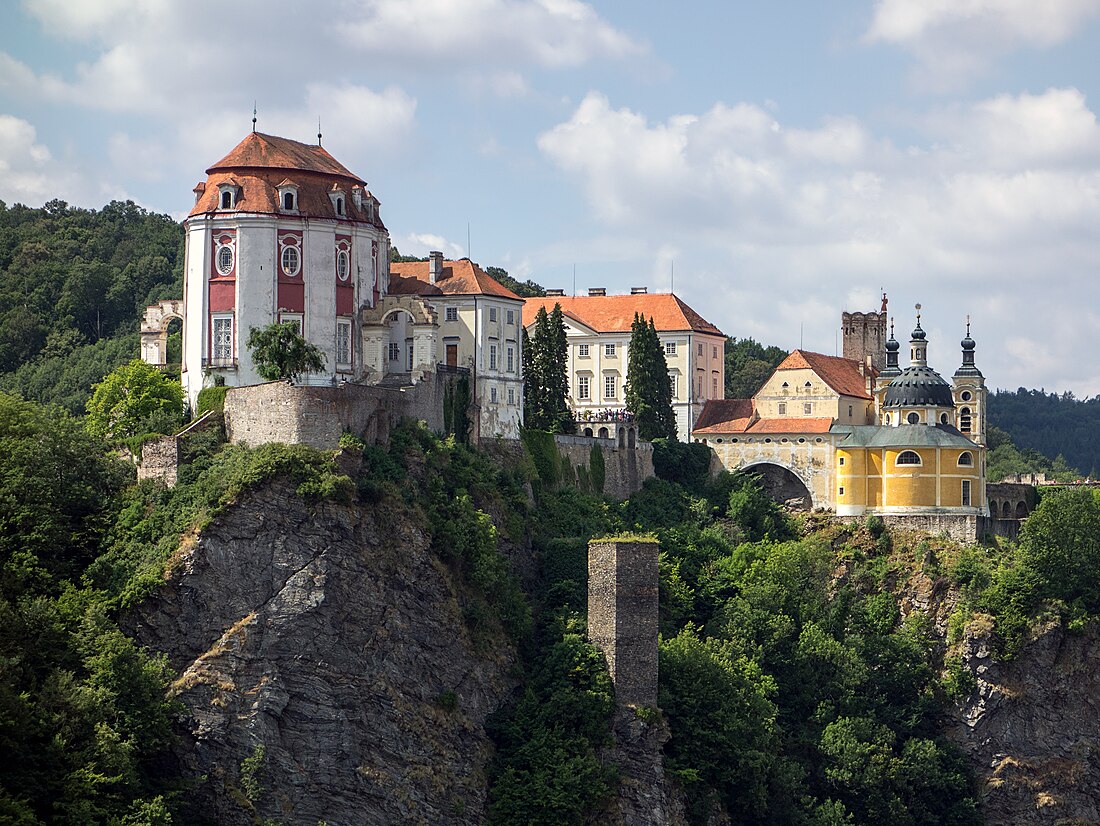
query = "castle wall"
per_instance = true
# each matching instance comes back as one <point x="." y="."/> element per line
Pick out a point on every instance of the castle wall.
<point x="811" y="459"/>
<point x="960" y="527"/>
<point x="319" y="416"/>
<point x="622" y="616"/>
<point x="625" y="468"/>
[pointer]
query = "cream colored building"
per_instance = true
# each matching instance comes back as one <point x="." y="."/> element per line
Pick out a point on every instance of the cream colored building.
<point x="597" y="327"/>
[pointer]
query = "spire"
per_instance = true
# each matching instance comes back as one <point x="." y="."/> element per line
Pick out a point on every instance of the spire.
<point x="318" y="130"/>
<point x="892" y="370"/>
<point x="968" y="345"/>
<point x="253" y="117"/>
<point x="918" y="345"/>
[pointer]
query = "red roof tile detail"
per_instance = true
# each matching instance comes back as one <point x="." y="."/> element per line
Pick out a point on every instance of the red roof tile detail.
<point x="458" y="278"/>
<point x="260" y="193"/>
<point x="615" y="313"/>
<point x="260" y="151"/>
<point x="725" y="411"/>
<point x="841" y="374"/>
<point x="815" y="425"/>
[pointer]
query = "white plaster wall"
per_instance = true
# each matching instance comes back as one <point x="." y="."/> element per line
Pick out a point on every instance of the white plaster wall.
<point x="196" y="265"/>
<point x="255" y="289"/>
<point x="320" y="281"/>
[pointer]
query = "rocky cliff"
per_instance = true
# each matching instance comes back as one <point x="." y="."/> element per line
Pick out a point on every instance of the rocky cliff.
<point x="325" y="669"/>
<point x="1031" y="727"/>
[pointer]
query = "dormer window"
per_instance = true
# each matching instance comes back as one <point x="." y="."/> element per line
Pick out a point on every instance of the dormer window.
<point x="339" y="206"/>
<point x="336" y="195"/>
<point x="228" y="193"/>
<point x="357" y="196"/>
<point x="288" y="195"/>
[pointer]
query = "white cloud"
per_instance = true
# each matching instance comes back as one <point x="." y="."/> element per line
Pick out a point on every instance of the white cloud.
<point x="549" y="33"/>
<point x="421" y="243"/>
<point x="1000" y="199"/>
<point x="955" y="39"/>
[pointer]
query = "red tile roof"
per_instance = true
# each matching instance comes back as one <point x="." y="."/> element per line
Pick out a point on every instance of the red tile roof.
<point x="841" y="374"/>
<point x="260" y="151"/>
<point x="462" y="277"/>
<point x="615" y="313"/>
<point x="814" y="425"/>
<point x="259" y="192"/>
<point x="725" y="411"/>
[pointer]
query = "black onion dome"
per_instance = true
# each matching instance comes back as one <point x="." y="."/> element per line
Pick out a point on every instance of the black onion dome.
<point x="892" y="344"/>
<point x="968" y="343"/>
<point x="919" y="334"/>
<point x="918" y="387"/>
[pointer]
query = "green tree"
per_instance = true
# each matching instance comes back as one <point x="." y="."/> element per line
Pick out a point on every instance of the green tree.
<point x="748" y="365"/>
<point x="649" y="388"/>
<point x="1061" y="542"/>
<point x="546" y="381"/>
<point x="134" y="399"/>
<point x="279" y="351"/>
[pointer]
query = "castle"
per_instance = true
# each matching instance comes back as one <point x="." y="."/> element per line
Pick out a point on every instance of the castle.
<point x="859" y="435"/>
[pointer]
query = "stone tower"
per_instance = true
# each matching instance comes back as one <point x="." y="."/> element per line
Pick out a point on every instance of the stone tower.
<point x="970" y="392"/>
<point x="622" y="615"/>
<point x="864" y="334"/>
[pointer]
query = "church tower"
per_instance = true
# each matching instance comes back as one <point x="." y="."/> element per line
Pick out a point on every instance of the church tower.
<point x="864" y="336"/>
<point x="970" y="392"/>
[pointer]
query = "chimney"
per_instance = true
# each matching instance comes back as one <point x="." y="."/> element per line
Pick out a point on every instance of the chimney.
<point x="555" y="293"/>
<point x="435" y="267"/>
<point x="597" y="291"/>
<point x="639" y="290"/>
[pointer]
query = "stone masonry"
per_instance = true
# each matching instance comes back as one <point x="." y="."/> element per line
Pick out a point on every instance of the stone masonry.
<point x="622" y="615"/>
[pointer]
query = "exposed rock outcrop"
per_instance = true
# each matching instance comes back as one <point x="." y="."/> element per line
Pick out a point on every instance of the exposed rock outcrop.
<point x="1032" y="728"/>
<point x="646" y="796"/>
<point x="325" y="668"/>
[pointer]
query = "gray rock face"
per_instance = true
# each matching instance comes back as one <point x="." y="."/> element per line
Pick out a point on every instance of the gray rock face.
<point x="646" y="796"/>
<point x="1032" y="731"/>
<point x="331" y="638"/>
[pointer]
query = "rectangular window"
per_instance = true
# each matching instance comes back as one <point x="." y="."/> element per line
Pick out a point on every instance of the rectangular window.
<point x="291" y="318"/>
<point x="609" y="350"/>
<point x="511" y="359"/>
<point x="395" y="351"/>
<point x="343" y="342"/>
<point x="808" y="408"/>
<point x="511" y="317"/>
<point x="450" y="314"/>
<point x="841" y="460"/>
<point x="841" y="490"/>
<point x="584" y="389"/>
<point x="582" y="351"/>
<point x="782" y="408"/>
<point x="609" y="386"/>
<point x="714" y="388"/>
<point x="223" y="339"/>
<point x="714" y="352"/>
<point x="492" y="357"/>
<point x="409" y="350"/>
<point x="966" y="493"/>
<point x="511" y="395"/>
<point x="672" y="383"/>
<point x="670" y="348"/>
<point x="849" y="411"/>
<point x="700" y="349"/>
<point x="493" y="395"/>
<point x="492" y="313"/>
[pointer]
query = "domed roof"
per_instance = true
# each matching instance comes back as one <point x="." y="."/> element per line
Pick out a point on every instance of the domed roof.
<point x="918" y="387"/>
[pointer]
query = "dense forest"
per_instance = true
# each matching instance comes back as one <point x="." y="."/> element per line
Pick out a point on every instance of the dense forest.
<point x="73" y="285"/>
<point x="1056" y="425"/>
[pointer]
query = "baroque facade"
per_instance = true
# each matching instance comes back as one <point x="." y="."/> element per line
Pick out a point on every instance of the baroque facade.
<point x="597" y="327"/>
<point x="841" y="434"/>
<point x="282" y="232"/>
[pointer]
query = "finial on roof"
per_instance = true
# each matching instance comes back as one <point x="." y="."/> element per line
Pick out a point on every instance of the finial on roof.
<point x="253" y="116"/>
<point x="883" y="310"/>
<point x="318" y="130"/>
<point x="968" y="325"/>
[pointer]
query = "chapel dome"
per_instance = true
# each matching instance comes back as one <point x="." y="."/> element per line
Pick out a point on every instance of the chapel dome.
<point x="918" y="386"/>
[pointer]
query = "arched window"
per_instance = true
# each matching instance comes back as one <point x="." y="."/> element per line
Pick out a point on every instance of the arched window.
<point x="339" y="206"/>
<point x="887" y="418"/>
<point x="292" y="260"/>
<point x="227" y="200"/>
<point x="908" y="457"/>
<point x="964" y="420"/>
<point x="966" y="459"/>
<point x="913" y="418"/>
<point x="225" y="259"/>
<point x="288" y="200"/>
<point x="343" y="264"/>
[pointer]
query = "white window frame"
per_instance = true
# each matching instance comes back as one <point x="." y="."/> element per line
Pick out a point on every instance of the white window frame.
<point x="511" y="395"/>
<point x="966" y="454"/>
<point x="584" y="388"/>
<point x="343" y="265"/>
<point x="966" y="493"/>
<point x="582" y="351"/>
<point x="222" y="352"/>
<point x="297" y="268"/>
<point x="341" y="325"/>
<point x="510" y="317"/>
<point x="609" y="350"/>
<point x="807" y="408"/>
<point x="394" y="351"/>
<point x="296" y="318"/>
<point x="492" y="314"/>
<point x="492" y="357"/>
<point x="610" y="386"/>
<point x="899" y="463"/>
<point x="450" y="314"/>
<point x="493" y="395"/>
<point x="223" y="248"/>
<point x="670" y="348"/>
<point x="672" y="382"/>
<point x="511" y="358"/>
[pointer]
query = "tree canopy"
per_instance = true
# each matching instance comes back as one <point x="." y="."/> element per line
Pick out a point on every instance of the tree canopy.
<point x="546" y="380"/>
<point x="648" y="392"/>
<point x="134" y="399"/>
<point x="279" y="351"/>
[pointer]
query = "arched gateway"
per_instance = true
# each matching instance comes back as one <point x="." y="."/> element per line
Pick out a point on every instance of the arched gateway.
<point x="154" y="330"/>
<point x="783" y="485"/>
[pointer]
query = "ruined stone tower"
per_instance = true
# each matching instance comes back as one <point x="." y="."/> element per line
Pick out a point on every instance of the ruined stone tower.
<point x="864" y="335"/>
<point x="622" y="615"/>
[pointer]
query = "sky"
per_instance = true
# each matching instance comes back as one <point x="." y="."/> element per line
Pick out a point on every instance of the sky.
<point x="773" y="163"/>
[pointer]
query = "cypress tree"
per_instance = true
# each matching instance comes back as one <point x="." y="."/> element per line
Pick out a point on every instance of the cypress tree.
<point x="546" y="381"/>
<point x="557" y="375"/>
<point x="649" y="388"/>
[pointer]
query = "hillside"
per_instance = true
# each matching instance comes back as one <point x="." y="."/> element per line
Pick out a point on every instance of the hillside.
<point x="1051" y="423"/>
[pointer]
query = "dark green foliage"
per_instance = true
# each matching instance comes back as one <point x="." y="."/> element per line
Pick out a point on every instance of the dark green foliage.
<point x="456" y="409"/>
<point x="758" y="515"/>
<point x="597" y="471"/>
<point x="1060" y="542"/>
<point x="132" y="400"/>
<point x="211" y="398"/>
<point x="685" y="463"/>
<point x="543" y="451"/>
<point x="748" y="366"/>
<point x="648" y="392"/>
<point x="279" y="351"/>
<point x="546" y="383"/>
<point x="525" y="289"/>
<point x="1047" y="424"/>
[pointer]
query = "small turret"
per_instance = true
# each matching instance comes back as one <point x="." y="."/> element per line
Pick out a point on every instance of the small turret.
<point x="918" y="345"/>
<point x="968" y="368"/>
<point x="892" y="369"/>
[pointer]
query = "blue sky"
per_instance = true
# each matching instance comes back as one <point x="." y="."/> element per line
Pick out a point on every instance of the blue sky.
<point x="785" y="160"/>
